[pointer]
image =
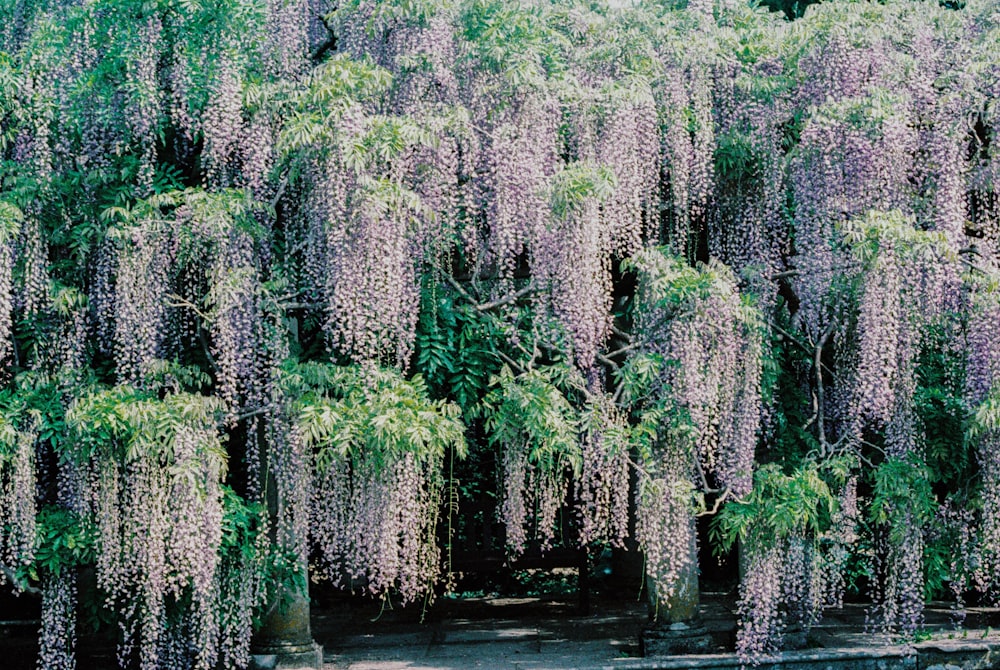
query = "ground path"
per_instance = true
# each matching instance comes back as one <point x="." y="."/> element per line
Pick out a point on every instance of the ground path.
<point x="495" y="633"/>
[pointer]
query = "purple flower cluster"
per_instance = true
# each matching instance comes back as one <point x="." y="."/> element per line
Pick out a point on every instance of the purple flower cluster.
<point x="665" y="529"/>
<point x="158" y="519"/>
<point x="602" y="500"/>
<point x="143" y="266"/>
<point x="714" y="345"/>
<point x="17" y="496"/>
<point x="58" y="632"/>
<point x="373" y="524"/>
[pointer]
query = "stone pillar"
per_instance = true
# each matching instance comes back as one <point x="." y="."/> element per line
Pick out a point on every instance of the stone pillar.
<point x="284" y="639"/>
<point x="676" y="627"/>
<point x="796" y="634"/>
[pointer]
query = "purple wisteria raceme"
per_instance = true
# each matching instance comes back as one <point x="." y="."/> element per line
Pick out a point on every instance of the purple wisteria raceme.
<point x="10" y="222"/>
<point x="58" y="632"/>
<point x="627" y="143"/>
<point x="18" y="506"/>
<point x="222" y="123"/>
<point x="696" y="320"/>
<point x="158" y="519"/>
<point x="899" y="592"/>
<point x="378" y="447"/>
<point x="520" y="162"/>
<point x="760" y="618"/>
<point x="665" y="529"/>
<point x="373" y="525"/>
<point x="602" y="487"/>
<point x="139" y="303"/>
<point x="571" y="255"/>
<point x="982" y="383"/>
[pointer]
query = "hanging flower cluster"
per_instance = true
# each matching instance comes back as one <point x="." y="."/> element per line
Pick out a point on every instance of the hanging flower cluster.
<point x="365" y="229"/>
<point x="688" y="145"/>
<point x="602" y="487"/>
<point x="627" y="143"/>
<point x="572" y="256"/>
<point x="699" y="372"/>
<point x="18" y="508"/>
<point x="793" y="533"/>
<point x="841" y="538"/>
<point x="665" y="529"/>
<point x="748" y="227"/>
<point x="173" y="250"/>
<point x="709" y="343"/>
<point x="379" y="445"/>
<point x="10" y="220"/>
<point x="850" y="160"/>
<point x="372" y="284"/>
<point x="58" y="632"/>
<point x="982" y="386"/>
<point x="904" y="278"/>
<point x="530" y="419"/>
<point x="519" y="163"/>
<point x="415" y="43"/>
<point x="153" y="472"/>
<point x="140" y="308"/>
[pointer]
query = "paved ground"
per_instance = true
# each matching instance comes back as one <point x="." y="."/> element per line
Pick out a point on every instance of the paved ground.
<point x="546" y="634"/>
<point x="505" y="633"/>
<point x="487" y="633"/>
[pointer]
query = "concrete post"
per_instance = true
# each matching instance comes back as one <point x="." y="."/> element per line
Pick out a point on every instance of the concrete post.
<point x="284" y="639"/>
<point x="675" y="627"/>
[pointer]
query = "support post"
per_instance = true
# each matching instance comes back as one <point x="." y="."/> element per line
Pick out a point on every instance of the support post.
<point x="284" y="639"/>
<point x="675" y="626"/>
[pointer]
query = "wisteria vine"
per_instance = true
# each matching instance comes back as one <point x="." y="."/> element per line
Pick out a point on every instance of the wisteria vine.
<point x="657" y="260"/>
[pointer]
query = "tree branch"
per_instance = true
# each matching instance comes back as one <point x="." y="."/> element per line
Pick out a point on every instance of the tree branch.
<point x="607" y="361"/>
<point x="972" y="266"/>
<point x="301" y="305"/>
<point x="331" y="42"/>
<point x="622" y="350"/>
<point x="812" y="419"/>
<point x="493" y="304"/>
<point x="818" y="365"/>
<point x="513" y="297"/>
<point x="723" y="496"/>
<point x="621" y="333"/>
<point x="180" y="301"/>
<point x="207" y="349"/>
<point x="509" y="361"/>
<point x="280" y="193"/>
<point x="704" y="480"/>
<point x="455" y="284"/>
<point x="801" y="344"/>
<point x="483" y="131"/>
<point x="617" y="395"/>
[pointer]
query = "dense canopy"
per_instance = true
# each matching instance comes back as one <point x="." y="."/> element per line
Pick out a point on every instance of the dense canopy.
<point x="316" y="252"/>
